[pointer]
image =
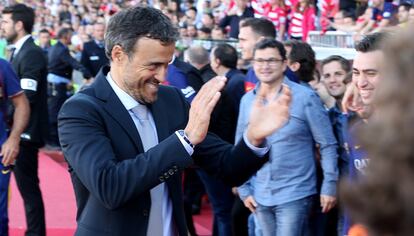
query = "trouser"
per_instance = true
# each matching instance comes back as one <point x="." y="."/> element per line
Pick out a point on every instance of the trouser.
<point x="57" y="95"/>
<point x="4" y="197"/>
<point x="239" y="217"/>
<point x="221" y="199"/>
<point x="291" y="218"/>
<point x="27" y="180"/>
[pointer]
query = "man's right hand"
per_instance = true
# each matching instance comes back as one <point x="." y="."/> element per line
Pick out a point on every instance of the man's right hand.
<point x="351" y="100"/>
<point x="250" y="203"/>
<point x="201" y="108"/>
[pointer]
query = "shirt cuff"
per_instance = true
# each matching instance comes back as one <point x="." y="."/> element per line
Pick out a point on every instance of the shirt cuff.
<point x="187" y="146"/>
<point x="259" y="151"/>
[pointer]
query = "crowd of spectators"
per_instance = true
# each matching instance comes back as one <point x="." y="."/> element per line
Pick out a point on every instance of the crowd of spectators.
<point x="63" y="26"/>
<point x="219" y="19"/>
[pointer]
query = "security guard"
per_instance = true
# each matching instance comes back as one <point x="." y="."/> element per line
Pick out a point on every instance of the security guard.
<point x="93" y="54"/>
<point x="60" y="67"/>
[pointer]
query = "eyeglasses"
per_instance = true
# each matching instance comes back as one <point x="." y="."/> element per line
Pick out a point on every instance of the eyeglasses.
<point x="270" y="61"/>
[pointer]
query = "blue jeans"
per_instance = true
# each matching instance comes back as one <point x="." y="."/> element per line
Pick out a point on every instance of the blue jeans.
<point x="286" y="219"/>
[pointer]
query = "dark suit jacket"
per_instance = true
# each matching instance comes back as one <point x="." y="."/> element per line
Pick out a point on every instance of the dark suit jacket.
<point x="111" y="174"/>
<point x="194" y="78"/>
<point x="224" y="118"/>
<point x="93" y="57"/>
<point x="62" y="63"/>
<point x="30" y="63"/>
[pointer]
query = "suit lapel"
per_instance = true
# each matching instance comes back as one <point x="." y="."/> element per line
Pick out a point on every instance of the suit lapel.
<point x="115" y="108"/>
<point x="17" y="57"/>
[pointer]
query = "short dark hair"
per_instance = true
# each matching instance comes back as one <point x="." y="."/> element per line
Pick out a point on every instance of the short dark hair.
<point x="371" y="42"/>
<point x="63" y="32"/>
<point x="270" y="43"/>
<point x="260" y="26"/>
<point x="346" y="66"/>
<point x="127" y="26"/>
<point x="44" y="31"/>
<point x="303" y="54"/>
<point x="205" y="30"/>
<point x="23" y="13"/>
<point x="227" y="55"/>
<point x="406" y="5"/>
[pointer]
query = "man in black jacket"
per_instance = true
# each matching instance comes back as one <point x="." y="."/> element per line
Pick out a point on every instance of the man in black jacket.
<point x="30" y="65"/>
<point x="60" y="67"/>
<point x="93" y="53"/>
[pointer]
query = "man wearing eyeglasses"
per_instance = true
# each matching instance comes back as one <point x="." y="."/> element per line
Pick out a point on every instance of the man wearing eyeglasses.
<point x="283" y="191"/>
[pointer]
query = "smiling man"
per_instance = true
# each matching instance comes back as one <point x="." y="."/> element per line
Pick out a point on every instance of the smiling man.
<point x="281" y="198"/>
<point x="127" y="138"/>
<point x="334" y="74"/>
<point x="365" y="78"/>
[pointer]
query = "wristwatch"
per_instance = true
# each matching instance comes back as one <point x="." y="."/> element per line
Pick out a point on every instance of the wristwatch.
<point x="185" y="137"/>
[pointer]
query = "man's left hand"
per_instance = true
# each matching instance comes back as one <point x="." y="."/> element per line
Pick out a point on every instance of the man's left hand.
<point x="267" y="118"/>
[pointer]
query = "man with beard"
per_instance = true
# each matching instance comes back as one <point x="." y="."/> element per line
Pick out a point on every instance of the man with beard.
<point x="30" y="65"/>
<point x="127" y="138"/>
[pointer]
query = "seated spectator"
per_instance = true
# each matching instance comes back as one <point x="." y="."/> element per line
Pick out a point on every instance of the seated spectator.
<point x="192" y="31"/>
<point x="207" y="20"/>
<point x="204" y="33"/>
<point x="302" y="20"/>
<point x="361" y="22"/>
<point x="218" y="33"/>
<point x="403" y="13"/>
<point x="274" y="10"/>
<point x="234" y="15"/>
<point x="383" y="15"/>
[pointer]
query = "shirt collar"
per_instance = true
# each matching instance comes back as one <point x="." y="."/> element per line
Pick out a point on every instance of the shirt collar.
<point x="126" y="100"/>
<point x="286" y="81"/>
<point x="19" y="44"/>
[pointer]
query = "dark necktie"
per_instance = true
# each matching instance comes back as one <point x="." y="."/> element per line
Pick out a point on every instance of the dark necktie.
<point x="11" y="53"/>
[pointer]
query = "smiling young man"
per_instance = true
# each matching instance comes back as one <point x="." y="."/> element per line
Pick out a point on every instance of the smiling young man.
<point x="282" y="193"/>
<point x="365" y="78"/>
<point x="127" y="138"/>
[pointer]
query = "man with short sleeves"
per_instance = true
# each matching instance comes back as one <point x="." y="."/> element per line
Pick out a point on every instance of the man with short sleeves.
<point x="9" y="90"/>
<point x="30" y="65"/>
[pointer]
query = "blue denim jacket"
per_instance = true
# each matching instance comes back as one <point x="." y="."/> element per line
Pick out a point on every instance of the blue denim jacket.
<point x="290" y="173"/>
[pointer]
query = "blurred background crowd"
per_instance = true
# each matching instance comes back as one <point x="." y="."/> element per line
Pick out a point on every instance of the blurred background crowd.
<point x="71" y="36"/>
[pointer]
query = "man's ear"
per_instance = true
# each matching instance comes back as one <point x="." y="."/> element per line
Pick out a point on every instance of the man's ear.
<point x="217" y="61"/>
<point x="18" y="26"/>
<point x="295" y="66"/>
<point x="118" y="54"/>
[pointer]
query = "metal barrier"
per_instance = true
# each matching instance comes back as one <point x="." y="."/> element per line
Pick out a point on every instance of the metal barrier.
<point x="332" y="39"/>
<point x="183" y="43"/>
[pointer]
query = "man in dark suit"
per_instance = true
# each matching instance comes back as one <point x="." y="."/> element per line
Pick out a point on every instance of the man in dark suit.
<point x="223" y="122"/>
<point x="127" y="138"/>
<point x="30" y="65"/>
<point x="93" y="53"/>
<point x="60" y="67"/>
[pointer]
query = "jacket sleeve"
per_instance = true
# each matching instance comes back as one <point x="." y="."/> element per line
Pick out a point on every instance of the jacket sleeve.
<point x="113" y="180"/>
<point x="68" y="59"/>
<point x="32" y="72"/>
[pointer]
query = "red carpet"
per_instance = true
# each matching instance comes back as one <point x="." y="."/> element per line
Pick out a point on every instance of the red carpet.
<point x="60" y="203"/>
